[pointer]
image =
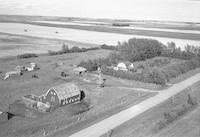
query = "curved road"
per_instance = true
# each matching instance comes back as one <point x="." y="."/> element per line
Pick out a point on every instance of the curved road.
<point x="112" y="122"/>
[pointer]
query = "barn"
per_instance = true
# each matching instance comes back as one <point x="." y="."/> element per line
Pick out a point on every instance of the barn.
<point x="63" y="94"/>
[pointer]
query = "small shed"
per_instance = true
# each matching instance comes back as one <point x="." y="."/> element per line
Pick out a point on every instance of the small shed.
<point x="80" y="71"/>
<point x="63" y="94"/>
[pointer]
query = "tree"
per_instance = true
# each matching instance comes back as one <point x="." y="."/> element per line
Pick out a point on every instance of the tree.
<point x="65" y="48"/>
<point x="139" y="49"/>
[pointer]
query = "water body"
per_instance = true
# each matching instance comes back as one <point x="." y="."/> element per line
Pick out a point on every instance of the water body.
<point x="83" y="36"/>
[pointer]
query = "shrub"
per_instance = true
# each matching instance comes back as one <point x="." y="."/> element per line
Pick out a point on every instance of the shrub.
<point x="157" y="76"/>
<point x="75" y="49"/>
<point x="92" y="65"/>
<point x="27" y="55"/>
<point x="104" y="46"/>
<point x="191" y="101"/>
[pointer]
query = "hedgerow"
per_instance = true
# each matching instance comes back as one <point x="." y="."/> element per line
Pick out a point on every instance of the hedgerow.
<point x="65" y="49"/>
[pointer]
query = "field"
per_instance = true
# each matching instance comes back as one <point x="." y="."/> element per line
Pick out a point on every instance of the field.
<point x="12" y="45"/>
<point x="51" y="32"/>
<point x="145" y="125"/>
<point x="187" y="126"/>
<point x="27" y="34"/>
<point x="96" y="35"/>
<point x="97" y="100"/>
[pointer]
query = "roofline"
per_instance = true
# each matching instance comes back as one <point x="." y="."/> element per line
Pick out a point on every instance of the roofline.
<point x="55" y="91"/>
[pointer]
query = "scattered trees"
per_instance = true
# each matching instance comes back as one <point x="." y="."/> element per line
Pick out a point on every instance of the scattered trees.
<point x="159" y="70"/>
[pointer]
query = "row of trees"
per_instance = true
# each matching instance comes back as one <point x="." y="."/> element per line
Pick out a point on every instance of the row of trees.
<point x="65" y="49"/>
<point x="171" y="50"/>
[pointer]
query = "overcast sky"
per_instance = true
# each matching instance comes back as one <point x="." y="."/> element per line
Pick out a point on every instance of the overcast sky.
<point x="178" y="10"/>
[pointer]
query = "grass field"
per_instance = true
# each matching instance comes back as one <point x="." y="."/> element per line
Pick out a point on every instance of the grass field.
<point x="187" y="126"/>
<point x="145" y="124"/>
<point x="12" y="45"/>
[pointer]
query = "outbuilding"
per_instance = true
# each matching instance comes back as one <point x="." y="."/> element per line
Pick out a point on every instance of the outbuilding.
<point x="63" y="94"/>
<point x="125" y="66"/>
<point x="80" y="71"/>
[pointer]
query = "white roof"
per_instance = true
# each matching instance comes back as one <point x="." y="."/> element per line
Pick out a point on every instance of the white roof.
<point x="66" y="90"/>
<point x="121" y="65"/>
<point x="80" y="69"/>
<point x="1" y="112"/>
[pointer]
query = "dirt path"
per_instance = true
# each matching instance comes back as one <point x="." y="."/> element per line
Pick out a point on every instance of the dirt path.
<point x="112" y="122"/>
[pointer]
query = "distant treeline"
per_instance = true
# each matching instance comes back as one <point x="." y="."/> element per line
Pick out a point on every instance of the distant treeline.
<point x="121" y="24"/>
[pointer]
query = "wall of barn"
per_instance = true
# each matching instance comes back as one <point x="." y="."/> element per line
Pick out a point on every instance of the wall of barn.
<point x="52" y="98"/>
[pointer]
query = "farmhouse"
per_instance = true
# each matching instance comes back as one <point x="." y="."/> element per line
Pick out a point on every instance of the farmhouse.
<point x="125" y="66"/>
<point x="80" y="71"/>
<point x="63" y="94"/>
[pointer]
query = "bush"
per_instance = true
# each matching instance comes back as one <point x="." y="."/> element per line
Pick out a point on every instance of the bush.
<point x="92" y="65"/>
<point x="104" y="46"/>
<point x="191" y="101"/>
<point x="27" y="55"/>
<point x="156" y="76"/>
<point x="172" y="115"/>
<point x="75" y="49"/>
<point x="174" y="70"/>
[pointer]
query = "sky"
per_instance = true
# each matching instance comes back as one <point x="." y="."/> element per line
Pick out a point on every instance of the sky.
<point x="171" y="10"/>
